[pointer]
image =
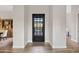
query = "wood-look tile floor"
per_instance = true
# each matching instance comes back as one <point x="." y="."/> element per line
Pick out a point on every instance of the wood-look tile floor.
<point x="72" y="47"/>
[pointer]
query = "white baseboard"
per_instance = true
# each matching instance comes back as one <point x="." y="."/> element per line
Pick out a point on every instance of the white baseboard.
<point x="59" y="46"/>
<point x="18" y="46"/>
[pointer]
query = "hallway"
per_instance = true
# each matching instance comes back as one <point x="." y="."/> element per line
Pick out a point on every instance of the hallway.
<point x="40" y="23"/>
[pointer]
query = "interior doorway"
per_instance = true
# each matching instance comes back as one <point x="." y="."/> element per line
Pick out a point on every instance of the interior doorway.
<point x="38" y="27"/>
<point x="6" y="33"/>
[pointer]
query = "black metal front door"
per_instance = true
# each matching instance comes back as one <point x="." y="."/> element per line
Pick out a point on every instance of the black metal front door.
<point x="38" y="27"/>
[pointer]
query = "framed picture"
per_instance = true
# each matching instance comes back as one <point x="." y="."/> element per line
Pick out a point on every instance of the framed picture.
<point x="7" y="23"/>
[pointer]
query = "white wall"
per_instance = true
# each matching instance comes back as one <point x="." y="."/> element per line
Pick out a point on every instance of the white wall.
<point x="51" y="25"/>
<point x="38" y="9"/>
<point x="6" y="14"/>
<point x="25" y="24"/>
<point x="59" y="26"/>
<point x="68" y="19"/>
<point x="6" y="7"/>
<point x="6" y="11"/>
<point x="74" y="22"/>
<point x="18" y="26"/>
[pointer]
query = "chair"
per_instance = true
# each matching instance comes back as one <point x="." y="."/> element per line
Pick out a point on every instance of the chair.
<point x="4" y="35"/>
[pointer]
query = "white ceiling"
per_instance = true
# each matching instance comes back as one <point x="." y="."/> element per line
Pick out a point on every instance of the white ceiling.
<point x="6" y="8"/>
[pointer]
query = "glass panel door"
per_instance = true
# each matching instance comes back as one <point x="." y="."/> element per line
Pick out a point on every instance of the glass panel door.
<point x="38" y="27"/>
